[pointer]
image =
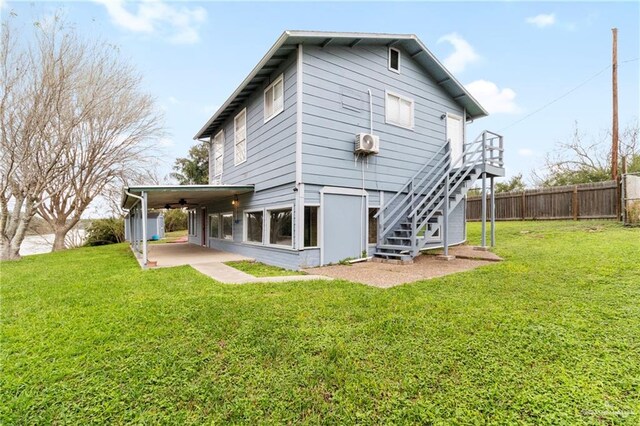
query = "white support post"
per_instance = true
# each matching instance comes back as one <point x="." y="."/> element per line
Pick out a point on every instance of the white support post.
<point x="483" y="241"/>
<point x="144" y="229"/>
<point x="493" y="213"/>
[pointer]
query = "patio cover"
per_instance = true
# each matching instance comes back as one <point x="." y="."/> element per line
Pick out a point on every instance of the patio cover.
<point x="158" y="196"/>
<point x="137" y="200"/>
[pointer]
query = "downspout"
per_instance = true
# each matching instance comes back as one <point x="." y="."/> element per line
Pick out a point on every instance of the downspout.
<point x="143" y="200"/>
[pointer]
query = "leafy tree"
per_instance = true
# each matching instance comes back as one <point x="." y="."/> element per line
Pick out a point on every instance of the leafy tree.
<point x="516" y="183"/>
<point x="175" y="220"/>
<point x="194" y="169"/>
<point x="582" y="161"/>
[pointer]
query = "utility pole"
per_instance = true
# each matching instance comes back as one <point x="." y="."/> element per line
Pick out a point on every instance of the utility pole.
<point x="614" y="127"/>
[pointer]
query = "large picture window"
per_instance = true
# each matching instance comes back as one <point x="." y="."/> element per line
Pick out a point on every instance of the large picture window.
<point x="214" y="226"/>
<point x="240" y="135"/>
<point x="227" y="226"/>
<point x="274" y="99"/>
<point x="280" y="226"/>
<point x="399" y="110"/>
<point x="311" y="226"/>
<point x="253" y="223"/>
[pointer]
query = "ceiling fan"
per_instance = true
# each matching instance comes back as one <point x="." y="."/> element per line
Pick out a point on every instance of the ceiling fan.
<point x="182" y="203"/>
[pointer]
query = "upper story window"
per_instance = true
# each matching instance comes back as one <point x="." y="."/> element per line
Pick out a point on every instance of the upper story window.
<point x="399" y="110"/>
<point x="274" y="99"/>
<point x="240" y="134"/>
<point x="394" y="60"/>
<point x="217" y="154"/>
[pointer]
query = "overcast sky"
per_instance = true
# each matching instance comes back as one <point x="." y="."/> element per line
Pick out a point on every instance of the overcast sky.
<point x="514" y="57"/>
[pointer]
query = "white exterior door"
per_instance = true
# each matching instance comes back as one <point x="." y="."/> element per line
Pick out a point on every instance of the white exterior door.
<point x="455" y="135"/>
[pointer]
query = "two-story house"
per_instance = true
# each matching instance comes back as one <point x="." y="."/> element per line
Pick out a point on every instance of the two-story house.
<point x="336" y="146"/>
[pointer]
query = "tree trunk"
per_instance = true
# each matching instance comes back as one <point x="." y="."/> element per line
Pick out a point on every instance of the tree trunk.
<point x="60" y="235"/>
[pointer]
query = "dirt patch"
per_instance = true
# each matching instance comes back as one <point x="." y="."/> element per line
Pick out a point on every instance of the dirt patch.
<point x="424" y="267"/>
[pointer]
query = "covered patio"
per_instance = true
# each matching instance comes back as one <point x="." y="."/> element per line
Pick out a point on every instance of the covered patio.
<point x="138" y="200"/>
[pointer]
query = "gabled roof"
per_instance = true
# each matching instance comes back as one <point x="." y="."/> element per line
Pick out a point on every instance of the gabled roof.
<point x="288" y="41"/>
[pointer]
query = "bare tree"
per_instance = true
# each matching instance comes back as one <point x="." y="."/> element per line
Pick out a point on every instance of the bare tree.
<point x="112" y="145"/>
<point x="33" y="82"/>
<point x="582" y="159"/>
<point x="97" y="135"/>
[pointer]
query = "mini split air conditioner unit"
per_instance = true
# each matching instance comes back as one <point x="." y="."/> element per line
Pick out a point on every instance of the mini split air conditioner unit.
<point x="367" y="143"/>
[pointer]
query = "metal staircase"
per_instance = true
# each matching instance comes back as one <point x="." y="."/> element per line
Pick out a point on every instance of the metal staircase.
<point x="417" y="216"/>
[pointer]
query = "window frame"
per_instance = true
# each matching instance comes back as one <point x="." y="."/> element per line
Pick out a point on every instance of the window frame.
<point x="192" y="222"/>
<point x="245" y="228"/>
<point x="279" y="79"/>
<point x="369" y="225"/>
<point x="235" y="137"/>
<point x="209" y="225"/>
<point x="217" y="173"/>
<point x="222" y="237"/>
<point x="267" y="216"/>
<point x="304" y="218"/>
<point x="388" y="93"/>
<point x="399" y="60"/>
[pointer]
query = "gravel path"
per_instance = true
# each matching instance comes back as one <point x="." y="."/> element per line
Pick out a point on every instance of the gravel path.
<point x="424" y="267"/>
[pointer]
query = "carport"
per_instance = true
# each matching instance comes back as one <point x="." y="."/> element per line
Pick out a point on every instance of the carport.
<point x="138" y="200"/>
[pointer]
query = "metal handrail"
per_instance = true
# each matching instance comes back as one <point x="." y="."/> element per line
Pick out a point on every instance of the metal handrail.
<point x="486" y="149"/>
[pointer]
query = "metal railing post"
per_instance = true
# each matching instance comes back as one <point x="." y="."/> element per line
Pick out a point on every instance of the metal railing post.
<point x="493" y="213"/>
<point x="414" y="231"/>
<point x="445" y="233"/>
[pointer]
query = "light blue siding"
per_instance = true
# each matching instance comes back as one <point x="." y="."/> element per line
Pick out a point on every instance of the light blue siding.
<point x="270" y="146"/>
<point x="333" y="74"/>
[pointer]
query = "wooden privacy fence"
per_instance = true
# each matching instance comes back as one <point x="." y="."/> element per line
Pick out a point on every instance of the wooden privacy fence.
<point x="585" y="201"/>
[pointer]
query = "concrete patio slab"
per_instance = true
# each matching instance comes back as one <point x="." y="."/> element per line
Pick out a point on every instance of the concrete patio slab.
<point x="211" y="263"/>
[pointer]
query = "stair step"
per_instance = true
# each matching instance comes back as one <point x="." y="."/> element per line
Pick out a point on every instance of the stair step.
<point x="393" y="247"/>
<point x="393" y="255"/>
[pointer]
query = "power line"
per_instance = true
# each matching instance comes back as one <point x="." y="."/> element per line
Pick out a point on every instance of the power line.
<point x="564" y="95"/>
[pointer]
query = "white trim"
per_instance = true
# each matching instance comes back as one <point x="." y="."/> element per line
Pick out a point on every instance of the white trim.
<point x="279" y="79"/>
<point x="217" y="173"/>
<point x="405" y="98"/>
<point x="399" y="60"/>
<point x="268" y="225"/>
<point x="235" y="138"/>
<point x="222" y="226"/>
<point x="244" y="226"/>
<point x="341" y="191"/>
<point x="299" y="196"/>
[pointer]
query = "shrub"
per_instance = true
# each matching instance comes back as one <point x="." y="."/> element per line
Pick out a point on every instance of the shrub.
<point x="105" y="231"/>
<point x="175" y="220"/>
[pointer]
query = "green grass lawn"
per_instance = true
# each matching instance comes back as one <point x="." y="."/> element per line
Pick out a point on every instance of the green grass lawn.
<point x="550" y="336"/>
<point x="258" y="269"/>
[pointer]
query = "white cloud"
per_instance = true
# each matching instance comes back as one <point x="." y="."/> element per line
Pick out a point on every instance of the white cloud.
<point x="525" y="152"/>
<point x="494" y="99"/>
<point x="463" y="53"/>
<point x="178" y="25"/>
<point x="542" y="20"/>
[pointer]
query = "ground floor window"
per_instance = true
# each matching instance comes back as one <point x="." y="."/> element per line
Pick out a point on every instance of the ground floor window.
<point x="373" y="226"/>
<point x="192" y="222"/>
<point x="280" y="226"/>
<point x="311" y="226"/>
<point x="227" y="226"/>
<point x="253" y="222"/>
<point x="214" y="226"/>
